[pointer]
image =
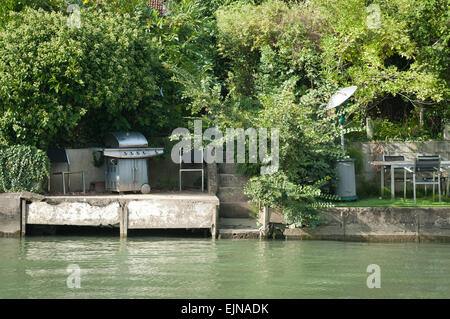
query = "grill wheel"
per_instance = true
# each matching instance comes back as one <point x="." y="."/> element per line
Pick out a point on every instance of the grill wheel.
<point x="145" y="189"/>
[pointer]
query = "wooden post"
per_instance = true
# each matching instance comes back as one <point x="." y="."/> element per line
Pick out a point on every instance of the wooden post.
<point x="23" y="217"/>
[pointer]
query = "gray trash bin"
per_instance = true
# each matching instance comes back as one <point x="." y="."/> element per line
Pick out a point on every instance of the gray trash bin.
<point x="346" y="173"/>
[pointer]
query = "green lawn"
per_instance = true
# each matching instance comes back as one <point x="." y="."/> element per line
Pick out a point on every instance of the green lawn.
<point x="398" y="202"/>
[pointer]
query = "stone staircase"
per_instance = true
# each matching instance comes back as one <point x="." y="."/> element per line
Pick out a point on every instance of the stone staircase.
<point x="236" y="214"/>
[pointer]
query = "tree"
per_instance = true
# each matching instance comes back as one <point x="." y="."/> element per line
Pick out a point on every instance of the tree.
<point x="61" y="85"/>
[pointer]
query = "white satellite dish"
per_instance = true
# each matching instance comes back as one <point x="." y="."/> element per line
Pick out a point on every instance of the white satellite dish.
<point x="337" y="99"/>
<point x="340" y="97"/>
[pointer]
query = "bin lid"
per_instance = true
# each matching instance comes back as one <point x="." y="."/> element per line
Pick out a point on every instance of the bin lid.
<point x="345" y="160"/>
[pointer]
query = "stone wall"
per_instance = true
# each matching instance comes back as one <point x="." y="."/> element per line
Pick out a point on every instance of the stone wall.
<point x="380" y="224"/>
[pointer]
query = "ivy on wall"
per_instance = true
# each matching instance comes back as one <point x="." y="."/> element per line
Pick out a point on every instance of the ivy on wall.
<point x="23" y="168"/>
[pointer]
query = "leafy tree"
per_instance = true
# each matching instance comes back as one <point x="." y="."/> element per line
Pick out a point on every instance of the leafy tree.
<point x="404" y="56"/>
<point x="60" y="85"/>
<point x="274" y="80"/>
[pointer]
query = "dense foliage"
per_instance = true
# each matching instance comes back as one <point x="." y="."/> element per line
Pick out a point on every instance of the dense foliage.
<point x="274" y="81"/>
<point x="235" y="63"/>
<point x="280" y="62"/>
<point x="68" y="86"/>
<point x="23" y="168"/>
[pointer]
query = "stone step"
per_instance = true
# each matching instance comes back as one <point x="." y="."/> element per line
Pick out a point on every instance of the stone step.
<point x="236" y="210"/>
<point x="238" y="223"/>
<point x="226" y="168"/>
<point x="233" y="180"/>
<point x="242" y="233"/>
<point x="229" y="194"/>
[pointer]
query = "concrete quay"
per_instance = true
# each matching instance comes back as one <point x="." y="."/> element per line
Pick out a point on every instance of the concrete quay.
<point x="131" y="211"/>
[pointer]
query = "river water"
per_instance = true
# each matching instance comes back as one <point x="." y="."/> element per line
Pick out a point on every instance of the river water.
<point x="157" y="267"/>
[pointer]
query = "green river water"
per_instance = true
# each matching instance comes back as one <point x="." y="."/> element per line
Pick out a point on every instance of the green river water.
<point x="156" y="267"/>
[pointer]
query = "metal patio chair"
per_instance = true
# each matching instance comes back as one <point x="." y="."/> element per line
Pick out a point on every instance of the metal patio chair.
<point x="59" y="155"/>
<point x="195" y="156"/>
<point x="395" y="158"/>
<point x="424" y="166"/>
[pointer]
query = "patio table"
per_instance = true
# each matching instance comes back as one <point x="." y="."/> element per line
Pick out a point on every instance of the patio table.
<point x="402" y="164"/>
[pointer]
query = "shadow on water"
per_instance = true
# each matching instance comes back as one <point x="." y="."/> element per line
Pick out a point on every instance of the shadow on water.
<point x="108" y="231"/>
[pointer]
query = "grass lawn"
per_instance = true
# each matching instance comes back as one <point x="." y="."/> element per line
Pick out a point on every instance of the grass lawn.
<point x="398" y="202"/>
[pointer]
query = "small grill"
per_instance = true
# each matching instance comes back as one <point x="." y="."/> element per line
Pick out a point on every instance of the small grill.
<point x="126" y="157"/>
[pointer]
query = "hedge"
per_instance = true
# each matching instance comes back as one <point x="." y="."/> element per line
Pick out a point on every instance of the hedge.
<point x="23" y="168"/>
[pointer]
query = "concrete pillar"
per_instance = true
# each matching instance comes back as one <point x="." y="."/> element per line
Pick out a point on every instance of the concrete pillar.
<point x="123" y="215"/>
<point x="212" y="178"/>
<point x="13" y="210"/>
<point x="23" y="217"/>
<point x="265" y="221"/>
<point x="214" y="225"/>
<point x="10" y="214"/>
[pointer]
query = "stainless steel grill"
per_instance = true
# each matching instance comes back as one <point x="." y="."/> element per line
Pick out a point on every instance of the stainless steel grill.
<point x="126" y="156"/>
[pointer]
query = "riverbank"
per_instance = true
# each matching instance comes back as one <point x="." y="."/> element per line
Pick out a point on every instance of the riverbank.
<point x="200" y="211"/>
<point x="379" y="224"/>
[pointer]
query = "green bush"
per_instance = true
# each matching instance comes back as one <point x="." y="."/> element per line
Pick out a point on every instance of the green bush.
<point x="23" y="168"/>
<point x="384" y="130"/>
<point x="61" y="85"/>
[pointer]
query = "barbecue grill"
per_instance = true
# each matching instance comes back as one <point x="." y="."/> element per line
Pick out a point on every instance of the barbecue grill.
<point x="126" y="158"/>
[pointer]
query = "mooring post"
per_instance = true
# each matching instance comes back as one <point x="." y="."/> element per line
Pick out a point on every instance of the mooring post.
<point x="23" y="217"/>
<point x="265" y="222"/>
<point x="215" y="221"/>
<point x="123" y="219"/>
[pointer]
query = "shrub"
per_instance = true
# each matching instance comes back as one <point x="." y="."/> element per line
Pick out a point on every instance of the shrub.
<point x="61" y="85"/>
<point x="23" y="168"/>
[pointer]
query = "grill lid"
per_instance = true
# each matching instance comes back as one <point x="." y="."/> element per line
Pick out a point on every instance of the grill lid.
<point x="125" y="140"/>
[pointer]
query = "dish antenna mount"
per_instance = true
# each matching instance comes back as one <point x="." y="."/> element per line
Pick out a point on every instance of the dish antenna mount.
<point x="340" y="97"/>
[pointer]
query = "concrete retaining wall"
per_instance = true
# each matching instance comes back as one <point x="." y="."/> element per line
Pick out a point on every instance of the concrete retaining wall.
<point x="73" y="213"/>
<point x="171" y="214"/>
<point x="152" y="211"/>
<point x="10" y="214"/>
<point x="383" y="224"/>
<point x="12" y="206"/>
